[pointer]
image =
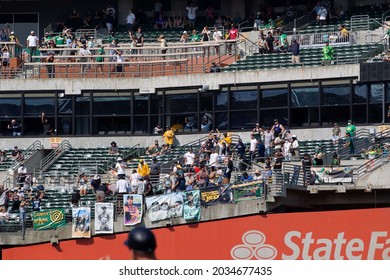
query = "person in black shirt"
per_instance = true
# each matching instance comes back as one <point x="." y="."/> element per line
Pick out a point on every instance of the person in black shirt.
<point x="16" y="128"/>
<point x="214" y="68"/>
<point x="155" y="168"/>
<point x="295" y="58"/>
<point x="269" y="42"/>
<point x="228" y="171"/>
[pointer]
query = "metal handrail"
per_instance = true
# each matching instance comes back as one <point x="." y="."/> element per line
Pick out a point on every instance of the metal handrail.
<point x="360" y="22"/>
<point x="28" y="152"/>
<point x="55" y="154"/>
<point x="239" y="25"/>
<point x="88" y="32"/>
<point x="384" y="17"/>
<point x="371" y="165"/>
<point x="136" y="149"/>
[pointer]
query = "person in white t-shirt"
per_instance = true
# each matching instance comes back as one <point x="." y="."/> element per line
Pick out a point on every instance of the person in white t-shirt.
<point x="32" y="44"/>
<point x="189" y="159"/>
<point x="214" y="158"/>
<point x="120" y="166"/>
<point x="122" y="186"/>
<point x="134" y="181"/>
<point x="253" y="147"/>
<point x="217" y="37"/>
<point x="192" y="14"/>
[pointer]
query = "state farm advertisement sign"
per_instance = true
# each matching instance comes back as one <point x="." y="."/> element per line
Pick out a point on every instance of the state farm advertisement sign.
<point x="334" y="235"/>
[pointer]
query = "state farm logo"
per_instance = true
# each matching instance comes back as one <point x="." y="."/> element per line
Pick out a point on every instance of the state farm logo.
<point x="253" y="247"/>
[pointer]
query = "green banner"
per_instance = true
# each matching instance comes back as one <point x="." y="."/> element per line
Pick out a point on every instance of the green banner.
<point x="49" y="219"/>
<point x="248" y="191"/>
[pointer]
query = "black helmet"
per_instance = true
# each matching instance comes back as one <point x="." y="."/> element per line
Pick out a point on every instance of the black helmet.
<point x="141" y="239"/>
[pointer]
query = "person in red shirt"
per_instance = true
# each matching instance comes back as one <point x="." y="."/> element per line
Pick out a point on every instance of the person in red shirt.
<point x="232" y="35"/>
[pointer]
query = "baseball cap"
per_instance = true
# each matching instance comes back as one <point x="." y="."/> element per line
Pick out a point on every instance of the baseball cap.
<point x="141" y="239"/>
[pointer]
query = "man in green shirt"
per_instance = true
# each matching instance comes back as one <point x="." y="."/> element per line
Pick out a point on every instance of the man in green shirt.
<point x="351" y="128"/>
<point x="59" y="39"/>
<point x="349" y="143"/>
<point x="100" y="59"/>
<point x="327" y="52"/>
<point x="195" y="37"/>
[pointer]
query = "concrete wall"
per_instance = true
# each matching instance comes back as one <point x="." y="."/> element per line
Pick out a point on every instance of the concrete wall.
<point x="214" y="80"/>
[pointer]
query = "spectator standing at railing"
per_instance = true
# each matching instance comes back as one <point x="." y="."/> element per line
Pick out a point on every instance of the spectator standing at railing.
<point x="269" y="42"/>
<point x="100" y="59"/>
<point x="184" y="37"/>
<point x="119" y="63"/>
<point x="195" y="37"/>
<point x="5" y="55"/>
<point x="261" y="43"/>
<point x="217" y="37"/>
<point x="232" y="35"/>
<point x="84" y="53"/>
<point x="32" y="44"/>
<point x="50" y="65"/>
<point x="295" y="56"/>
<point x="344" y="34"/>
<point x="59" y="40"/>
<point x="327" y="52"/>
<point x="13" y="38"/>
<point x="163" y="45"/>
<point x="351" y="128"/>
<point x="349" y="143"/>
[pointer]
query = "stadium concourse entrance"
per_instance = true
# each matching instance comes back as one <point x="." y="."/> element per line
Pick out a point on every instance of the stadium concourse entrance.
<point x="233" y="108"/>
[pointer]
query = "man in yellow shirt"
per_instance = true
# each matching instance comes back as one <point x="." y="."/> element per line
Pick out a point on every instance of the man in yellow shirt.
<point x="143" y="168"/>
<point x="168" y="137"/>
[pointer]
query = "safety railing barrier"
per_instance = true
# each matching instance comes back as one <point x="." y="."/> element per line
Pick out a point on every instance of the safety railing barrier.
<point x="27" y="153"/>
<point x="360" y="22"/>
<point x="63" y="147"/>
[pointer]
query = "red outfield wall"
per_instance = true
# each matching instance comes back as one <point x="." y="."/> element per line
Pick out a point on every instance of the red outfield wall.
<point x="350" y="234"/>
